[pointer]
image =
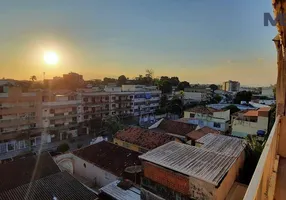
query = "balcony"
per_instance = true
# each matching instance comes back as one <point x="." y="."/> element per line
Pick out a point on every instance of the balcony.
<point x="269" y="178"/>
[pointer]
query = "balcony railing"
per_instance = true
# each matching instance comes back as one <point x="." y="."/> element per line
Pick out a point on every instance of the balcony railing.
<point x="263" y="182"/>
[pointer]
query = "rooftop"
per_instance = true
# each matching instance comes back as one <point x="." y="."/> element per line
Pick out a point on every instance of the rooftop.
<point x="202" y="109"/>
<point x="225" y="145"/>
<point x="20" y="172"/>
<point x="143" y="137"/>
<point x="61" y="185"/>
<point x="108" y="156"/>
<point x="197" y="134"/>
<point x="176" y="127"/>
<point x="192" y="161"/>
<point x="118" y="193"/>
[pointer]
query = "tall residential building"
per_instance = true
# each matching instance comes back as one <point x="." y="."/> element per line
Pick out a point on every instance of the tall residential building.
<point x="231" y="86"/>
<point x="20" y="119"/>
<point x="29" y="119"/>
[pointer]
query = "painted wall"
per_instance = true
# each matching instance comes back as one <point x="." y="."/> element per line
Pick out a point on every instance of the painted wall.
<point x="93" y="173"/>
<point x="223" y="115"/>
<point x="130" y="146"/>
<point x="212" y="123"/>
<point x="242" y="128"/>
<point x="75" y="165"/>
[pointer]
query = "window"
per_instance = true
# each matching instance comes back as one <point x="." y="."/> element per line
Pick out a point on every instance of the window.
<point x="192" y="115"/>
<point x="216" y="125"/>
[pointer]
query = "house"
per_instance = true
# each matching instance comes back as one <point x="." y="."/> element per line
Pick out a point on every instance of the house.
<point x="203" y="111"/>
<point x="141" y="140"/>
<point x="100" y="163"/>
<point x="175" y="128"/>
<point x="199" y="133"/>
<point x="181" y="171"/>
<point x="250" y="122"/>
<point x="38" y="177"/>
<point x="120" y="190"/>
<point x="207" y="116"/>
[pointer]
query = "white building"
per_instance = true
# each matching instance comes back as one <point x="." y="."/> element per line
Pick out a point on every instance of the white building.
<point x="101" y="163"/>
<point x="231" y="86"/>
<point x="250" y="122"/>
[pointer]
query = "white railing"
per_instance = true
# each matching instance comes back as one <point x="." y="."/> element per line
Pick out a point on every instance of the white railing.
<point x="261" y="185"/>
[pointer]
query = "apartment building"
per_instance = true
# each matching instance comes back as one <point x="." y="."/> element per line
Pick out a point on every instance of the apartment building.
<point x="231" y="86"/>
<point x="20" y="119"/>
<point x="60" y="117"/>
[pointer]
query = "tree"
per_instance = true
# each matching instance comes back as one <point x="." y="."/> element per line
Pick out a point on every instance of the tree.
<point x="122" y="80"/>
<point x="175" y="106"/>
<point x="109" y="80"/>
<point x="63" y="148"/>
<point x="33" y="78"/>
<point x="253" y="150"/>
<point x="174" y="81"/>
<point x="213" y="87"/>
<point x="166" y="87"/>
<point x="183" y="85"/>
<point x="163" y="101"/>
<point x="232" y="108"/>
<point x="111" y="125"/>
<point x="217" y="98"/>
<point x="243" y="96"/>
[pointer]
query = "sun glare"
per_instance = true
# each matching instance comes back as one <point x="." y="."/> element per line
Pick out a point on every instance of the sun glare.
<point x="51" y="58"/>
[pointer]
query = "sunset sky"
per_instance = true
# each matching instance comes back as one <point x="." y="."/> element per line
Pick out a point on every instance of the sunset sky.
<point x="200" y="41"/>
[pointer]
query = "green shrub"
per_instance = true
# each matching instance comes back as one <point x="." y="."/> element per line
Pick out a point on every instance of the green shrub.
<point x="63" y="148"/>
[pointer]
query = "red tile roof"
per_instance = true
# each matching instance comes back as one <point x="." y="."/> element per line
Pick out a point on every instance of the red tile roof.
<point x="202" y="109"/>
<point x="197" y="134"/>
<point x="143" y="137"/>
<point x="19" y="172"/>
<point x="108" y="156"/>
<point x="176" y="127"/>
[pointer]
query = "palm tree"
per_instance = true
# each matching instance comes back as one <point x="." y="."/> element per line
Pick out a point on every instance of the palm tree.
<point x="33" y="78"/>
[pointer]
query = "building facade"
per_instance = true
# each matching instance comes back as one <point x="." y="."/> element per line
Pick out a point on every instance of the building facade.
<point x="29" y="119"/>
<point x="231" y="86"/>
<point x="20" y="119"/>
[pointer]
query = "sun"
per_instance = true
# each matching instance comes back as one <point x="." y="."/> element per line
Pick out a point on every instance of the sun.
<point x="51" y="58"/>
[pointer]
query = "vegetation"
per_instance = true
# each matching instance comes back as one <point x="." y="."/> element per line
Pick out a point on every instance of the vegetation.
<point x="33" y="78"/>
<point x="253" y="150"/>
<point x="63" y="148"/>
<point x="121" y="80"/>
<point x="232" y="108"/>
<point x="111" y="125"/>
<point x="243" y="96"/>
<point x="183" y="85"/>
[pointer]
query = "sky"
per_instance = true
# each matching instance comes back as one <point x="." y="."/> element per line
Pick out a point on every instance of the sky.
<point x="200" y="41"/>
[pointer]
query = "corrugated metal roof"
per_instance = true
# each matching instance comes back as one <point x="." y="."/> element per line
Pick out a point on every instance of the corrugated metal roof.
<point x="225" y="145"/>
<point x="192" y="161"/>
<point x="119" y="194"/>
<point x="61" y="185"/>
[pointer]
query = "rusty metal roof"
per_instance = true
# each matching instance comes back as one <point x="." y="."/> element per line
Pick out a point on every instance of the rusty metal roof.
<point x="196" y="162"/>
<point x="222" y="144"/>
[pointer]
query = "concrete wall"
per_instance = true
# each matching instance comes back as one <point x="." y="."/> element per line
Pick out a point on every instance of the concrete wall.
<point x="241" y="128"/>
<point x="84" y="169"/>
<point x="223" y="115"/>
<point x="230" y="178"/>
